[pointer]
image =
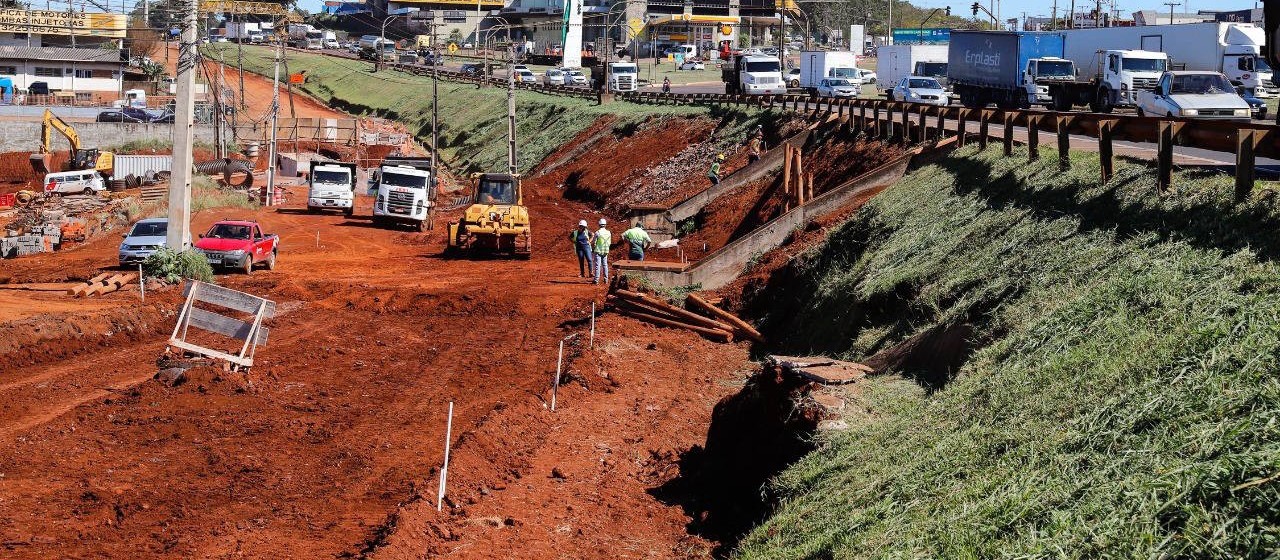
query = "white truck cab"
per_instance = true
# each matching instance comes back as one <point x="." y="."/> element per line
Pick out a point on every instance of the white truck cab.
<point x="1040" y="72"/>
<point x="1126" y="72"/>
<point x="404" y="194"/>
<point x="331" y="186"/>
<point x="623" y="76"/>
<point x="754" y="75"/>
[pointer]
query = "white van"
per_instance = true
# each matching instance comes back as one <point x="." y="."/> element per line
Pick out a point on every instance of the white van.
<point x="689" y="51"/>
<point x="85" y="181"/>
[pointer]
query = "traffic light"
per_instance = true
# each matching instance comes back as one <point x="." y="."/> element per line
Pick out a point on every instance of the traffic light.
<point x="975" y="9"/>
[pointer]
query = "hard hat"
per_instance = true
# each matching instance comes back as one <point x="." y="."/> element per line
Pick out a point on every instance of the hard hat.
<point x="582" y="223"/>
<point x="603" y="222"/>
<point x="719" y="157"/>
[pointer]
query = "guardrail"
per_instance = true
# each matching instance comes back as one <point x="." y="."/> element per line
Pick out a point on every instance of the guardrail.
<point x="894" y="120"/>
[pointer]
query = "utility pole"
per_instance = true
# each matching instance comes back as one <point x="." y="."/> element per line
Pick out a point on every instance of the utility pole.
<point x="888" y="25"/>
<point x="179" y="232"/>
<point x="1053" y="26"/>
<point x="511" y="113"/>
<point x="275" y="112"/>
<point x="1171" y="5"/>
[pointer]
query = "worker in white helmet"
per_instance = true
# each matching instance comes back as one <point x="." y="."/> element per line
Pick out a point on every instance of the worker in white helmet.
<point x="581" y="239"/>
<point x="601" y="241"/>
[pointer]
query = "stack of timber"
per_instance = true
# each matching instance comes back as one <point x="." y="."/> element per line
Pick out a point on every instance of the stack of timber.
<point x="720" y="325"/>
<point x="104" y="283"/>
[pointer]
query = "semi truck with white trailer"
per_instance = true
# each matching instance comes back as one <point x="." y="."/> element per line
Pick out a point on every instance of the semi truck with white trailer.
<point x="245" y="32"/>
<point x="894" y="62"/>
<point x="816" y="66"/>
<point x="1234" y="49"/>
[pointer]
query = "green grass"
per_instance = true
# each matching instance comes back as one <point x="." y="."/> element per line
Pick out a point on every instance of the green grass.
<point x="206" y="195"/>
<point x="472" y="121"/>
<point x="1123" y="401"/>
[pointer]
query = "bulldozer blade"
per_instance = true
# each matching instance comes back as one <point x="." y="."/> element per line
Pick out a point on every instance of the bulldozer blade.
<point x="40" y="163"/>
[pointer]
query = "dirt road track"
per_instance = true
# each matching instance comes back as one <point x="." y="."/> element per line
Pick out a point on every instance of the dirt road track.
<point x="330" y="446"/>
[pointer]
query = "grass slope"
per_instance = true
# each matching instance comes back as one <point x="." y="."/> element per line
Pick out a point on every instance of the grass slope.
<point x="1124" y="401"/>
<point x="473" y="121"/>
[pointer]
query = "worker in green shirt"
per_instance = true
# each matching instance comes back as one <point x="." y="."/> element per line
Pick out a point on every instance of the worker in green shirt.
<point x="637" y="241"/>
<point x="601" y="240"/>
<point x="714" y="173"/>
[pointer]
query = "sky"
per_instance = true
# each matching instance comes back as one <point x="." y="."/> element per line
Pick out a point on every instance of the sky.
<point x="1015" y="8"/>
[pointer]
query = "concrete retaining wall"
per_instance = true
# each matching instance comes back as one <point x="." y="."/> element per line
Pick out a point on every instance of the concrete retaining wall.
<point x="23" y="136"/>
<point x="771" y="161"/>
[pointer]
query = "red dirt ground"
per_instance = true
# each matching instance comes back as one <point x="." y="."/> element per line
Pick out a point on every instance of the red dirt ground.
<point x="330" y="446"/>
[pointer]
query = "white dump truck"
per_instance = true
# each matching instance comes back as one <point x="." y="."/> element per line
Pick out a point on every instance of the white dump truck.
<point x="331" y="186"/>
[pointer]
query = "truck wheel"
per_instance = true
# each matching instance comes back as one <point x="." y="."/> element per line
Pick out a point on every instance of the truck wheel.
<point x="271" y="261"/>
<point x="1061" y="103"/>
<point x="349" y="212"/>
<point x="1102" y="103"/>
<point x="248" y="265"/>
<point x="1141" y="113"/>
<point x="1020" y="100"/>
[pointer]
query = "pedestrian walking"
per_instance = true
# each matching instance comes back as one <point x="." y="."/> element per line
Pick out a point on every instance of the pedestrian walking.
<point x="714" y="173"/>
<point x="637" y="241"/>
<point x="581" y="238"/>
<point x="601" y="240"/>
<point x="666" y="85"/>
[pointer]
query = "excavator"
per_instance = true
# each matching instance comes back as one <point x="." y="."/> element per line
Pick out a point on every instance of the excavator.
<point x="497" y="219"/>
<point x="81" y="158"/>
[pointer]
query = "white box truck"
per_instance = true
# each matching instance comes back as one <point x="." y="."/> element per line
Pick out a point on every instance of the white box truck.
<point x="1235" y="49"/>
<point x="895" y="62"/>
<point x="244" y="32"/>
<point x="817" y="65"/>
<point x="331" y="185"/>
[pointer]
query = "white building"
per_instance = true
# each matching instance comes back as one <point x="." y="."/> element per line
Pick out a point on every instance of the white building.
<point x="89" y="73"/>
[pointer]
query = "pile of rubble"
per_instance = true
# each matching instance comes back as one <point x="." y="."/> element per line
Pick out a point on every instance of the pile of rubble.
<point x="47" y="222"/>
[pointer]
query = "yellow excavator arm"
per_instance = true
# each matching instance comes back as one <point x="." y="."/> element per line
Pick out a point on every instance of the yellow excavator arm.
<point x="80" y="158"/>
<point x="54" y="122"/>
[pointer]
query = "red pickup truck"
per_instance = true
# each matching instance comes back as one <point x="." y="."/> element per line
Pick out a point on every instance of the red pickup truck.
<point x="239" y="244"/>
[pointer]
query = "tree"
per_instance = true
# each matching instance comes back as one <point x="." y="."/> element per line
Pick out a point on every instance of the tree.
<point x="141" y="41"/>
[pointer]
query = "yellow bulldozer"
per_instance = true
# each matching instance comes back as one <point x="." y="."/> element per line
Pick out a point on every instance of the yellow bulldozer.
<point x="497" y="219"/>
<point x="81" y="157"/>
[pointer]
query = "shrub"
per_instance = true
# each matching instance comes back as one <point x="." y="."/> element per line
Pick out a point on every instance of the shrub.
<point x="172" y="266"/>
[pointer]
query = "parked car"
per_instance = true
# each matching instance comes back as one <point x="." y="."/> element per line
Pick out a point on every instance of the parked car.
<point x="142" y="240"/>
<point x="526" y="76"/>
<point x="770" y="51"/>
<point x="240" y="245"/>
<point x="468" y="46"/>
<point x="793" y="78"/>
<point x="693" y="64"/>
<point x="38" y="88"/>
<point x="753" y="51"/>
<point x="574" y="77"/>
<point x="122" y="116"/>
<point x="472" y="69"/>
<point x="863" y="76"/>
<point x="838" y="87"/>
<point x="1204" y="95"/>
<point x="554" y="77"/>
<point x="85" y="181"/>
<point x="919" y="89"/>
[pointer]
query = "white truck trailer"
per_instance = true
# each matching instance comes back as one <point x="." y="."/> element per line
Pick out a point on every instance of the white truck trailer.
<point x="895" y="62"/>
<point x="1234" y="49"/>
<point x="818" y="65"/>
<point x="244" y="32"/>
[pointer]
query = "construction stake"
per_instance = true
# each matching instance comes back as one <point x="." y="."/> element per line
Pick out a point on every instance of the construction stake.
<point x="591" y="344"/>
<point x="142" y="283"/>
<point x="444" y="471"/>
<point x="555" y="383"/>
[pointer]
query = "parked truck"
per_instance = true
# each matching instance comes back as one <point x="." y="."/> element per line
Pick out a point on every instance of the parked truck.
<point x="753" y="75"/>
<point x="1012" y="69"/>
<point x="373" y="47"/>
<point x="305" y="36"/>
<point x="894" y="62"/>
<point x="405" y="192"/>
<point x="816" y="66"/>
<point x="329" y="40"/>
<point x="623" y="76"/>
<point x="331" y="186"/>
<point x="1234" y="49"/>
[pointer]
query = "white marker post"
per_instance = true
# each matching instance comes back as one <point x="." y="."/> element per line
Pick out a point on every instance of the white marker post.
<point x="444" y="472"/>
<point x="555" y="383"/>
<point x="142" y="282"/>
<point x="591" y="344"/>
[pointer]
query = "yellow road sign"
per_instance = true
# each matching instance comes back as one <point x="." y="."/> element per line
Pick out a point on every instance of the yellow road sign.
<point x="453" y="48"/>
<point x="636" y="25"/>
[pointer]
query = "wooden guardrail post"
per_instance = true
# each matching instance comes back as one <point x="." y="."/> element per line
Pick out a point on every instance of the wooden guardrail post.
<point x="1164" y="154"/>
<point x="906" y="124"/>
<point x="1106" y="155"/>
<point x="1245" y="161"/>
<point x="1064" y="142"/>
<point x="862" y="117"/>
<point x="875" y="120"/>
<point x="984" y="128"/>
<point x="1033" y="137"/>
<point x="922" y="112"/>
<point x="941" y="132"/>
<point x="962" y="126"/>
<point x="1008" y="134"/>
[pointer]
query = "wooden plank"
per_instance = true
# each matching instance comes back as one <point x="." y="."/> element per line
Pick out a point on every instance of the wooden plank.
<point x="723" y="336"/>
<point x="672" y="310"/>
<point x="124" y="279"/>
<point x="835" y="374"/>
<point x="231" y="299"/>
<point x="741" y="326"/>
<point x="246" y="362"/>
<point x="799" y="362"/>
<point x="226" y="326"/>
<point x="98" y="288"/>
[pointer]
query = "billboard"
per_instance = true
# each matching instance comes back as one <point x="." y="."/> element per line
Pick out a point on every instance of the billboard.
<point x="50" y="22"/>
<point x="921" y="36"/>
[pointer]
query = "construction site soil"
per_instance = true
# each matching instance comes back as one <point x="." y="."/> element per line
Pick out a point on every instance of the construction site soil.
<point x="331" y="445"/>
